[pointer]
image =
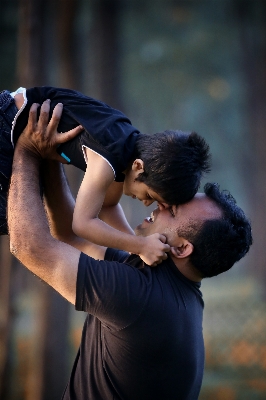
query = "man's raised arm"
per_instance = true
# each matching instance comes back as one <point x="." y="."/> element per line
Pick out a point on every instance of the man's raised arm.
<point x="30" y="240"/>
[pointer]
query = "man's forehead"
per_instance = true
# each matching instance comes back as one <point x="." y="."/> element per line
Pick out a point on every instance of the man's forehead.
<point x="202" y="206"/>
<point x="200" y="196"/>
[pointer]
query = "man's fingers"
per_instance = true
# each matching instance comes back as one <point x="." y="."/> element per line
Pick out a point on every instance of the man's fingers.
<point x="65" y="137"/>
<point x="33" y="116"/>
<point x="44" y="115"/>
<point x="55" y="119"/>
<point x="57" y="113"/>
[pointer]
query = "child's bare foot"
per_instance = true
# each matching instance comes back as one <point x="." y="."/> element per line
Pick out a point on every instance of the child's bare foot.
<point x="19" y="100"/>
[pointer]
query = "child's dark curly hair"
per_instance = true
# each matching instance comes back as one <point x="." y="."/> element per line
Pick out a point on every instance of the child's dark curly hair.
<point x="174" y="162"/>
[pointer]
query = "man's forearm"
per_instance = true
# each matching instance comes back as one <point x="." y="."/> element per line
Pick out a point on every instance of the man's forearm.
<point x="26" y="217"/>
<point x="30" y="240"/>
<point x="59" y="202"/>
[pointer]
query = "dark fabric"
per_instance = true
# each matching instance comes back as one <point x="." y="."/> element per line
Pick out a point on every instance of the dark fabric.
<point x="8" y="111"/>
<point x="142" y="339"/>
<point x="107" y="131"/>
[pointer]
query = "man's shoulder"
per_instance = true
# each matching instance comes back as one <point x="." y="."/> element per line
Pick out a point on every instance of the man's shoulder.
<point x="116" y="255"/>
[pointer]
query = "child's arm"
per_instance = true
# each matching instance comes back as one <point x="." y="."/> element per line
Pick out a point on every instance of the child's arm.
<point x="97" y="179"/>
<point x="112" y="213"/>
<point x="59" y="205"/>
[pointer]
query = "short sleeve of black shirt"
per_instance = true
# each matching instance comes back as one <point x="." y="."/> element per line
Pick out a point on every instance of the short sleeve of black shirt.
<point x="112" y="290"/>
<point x="107" y="131"/>
<point x="142" y="338"/>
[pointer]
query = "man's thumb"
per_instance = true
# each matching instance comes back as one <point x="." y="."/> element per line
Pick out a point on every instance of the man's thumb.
<point x="66" y="136"/>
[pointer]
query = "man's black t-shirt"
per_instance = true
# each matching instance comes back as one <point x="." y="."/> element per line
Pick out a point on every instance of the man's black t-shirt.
<point x="142" y="339"/>
<point x="107" y="131"/>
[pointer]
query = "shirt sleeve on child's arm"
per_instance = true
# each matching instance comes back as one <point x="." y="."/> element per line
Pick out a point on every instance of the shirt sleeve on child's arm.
<point x="85" y="157"/>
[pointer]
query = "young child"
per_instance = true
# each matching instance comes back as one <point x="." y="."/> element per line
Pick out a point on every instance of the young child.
<point x="165" y="167"/>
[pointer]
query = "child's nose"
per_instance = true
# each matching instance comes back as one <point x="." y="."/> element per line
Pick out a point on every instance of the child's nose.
<point x="147" y="203"/>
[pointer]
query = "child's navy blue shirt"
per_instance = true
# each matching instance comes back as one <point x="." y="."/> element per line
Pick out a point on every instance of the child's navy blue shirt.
<point x="107" y="131"/>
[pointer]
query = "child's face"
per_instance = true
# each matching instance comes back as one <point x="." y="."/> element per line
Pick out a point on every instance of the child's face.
<point x="139" y="190"/>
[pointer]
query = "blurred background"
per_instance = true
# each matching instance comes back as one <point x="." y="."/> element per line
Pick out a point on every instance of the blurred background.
<point x="168" y="64"/>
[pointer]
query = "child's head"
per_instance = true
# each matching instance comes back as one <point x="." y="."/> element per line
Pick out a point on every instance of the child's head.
<point x="174" y="162"/>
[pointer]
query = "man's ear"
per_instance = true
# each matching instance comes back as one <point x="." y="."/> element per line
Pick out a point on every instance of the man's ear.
<point x="138" y="165"/>
<point x="182" y="251"/>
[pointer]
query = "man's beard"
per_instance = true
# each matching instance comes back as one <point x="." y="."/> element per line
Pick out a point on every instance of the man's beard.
<point x="139" y="231"/>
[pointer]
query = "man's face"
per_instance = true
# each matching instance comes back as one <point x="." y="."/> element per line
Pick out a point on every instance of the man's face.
<point x="169" y="221"/>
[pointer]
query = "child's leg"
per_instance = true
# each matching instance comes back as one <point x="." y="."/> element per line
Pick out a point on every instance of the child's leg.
<point x="8" y="111"/>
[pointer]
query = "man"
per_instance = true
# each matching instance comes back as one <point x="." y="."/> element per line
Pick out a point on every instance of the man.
<point x="142" y="338"/>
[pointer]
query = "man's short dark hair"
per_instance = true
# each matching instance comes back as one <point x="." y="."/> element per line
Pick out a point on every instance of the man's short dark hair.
<point x="174" y="162"/>
<point x="219" y="243"/>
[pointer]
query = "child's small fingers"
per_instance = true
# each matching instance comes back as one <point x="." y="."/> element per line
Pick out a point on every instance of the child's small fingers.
<point x="162" y="238"/>
<point x="153" y="264"/>
<point x="165" y="247"/>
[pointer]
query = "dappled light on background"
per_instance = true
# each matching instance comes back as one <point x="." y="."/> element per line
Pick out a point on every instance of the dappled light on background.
<point x="219" y="89"/>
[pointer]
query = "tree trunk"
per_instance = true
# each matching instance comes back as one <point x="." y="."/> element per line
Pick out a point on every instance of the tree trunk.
<point x="31" y="61"/>
<point x="5" y="317"/>
<point x="106" y="51"/>
<point x="68" y="64"/>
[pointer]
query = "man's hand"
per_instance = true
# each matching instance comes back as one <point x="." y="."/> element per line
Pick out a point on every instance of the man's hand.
<point x="155" y="249"/>
<point x="40" y="136"/>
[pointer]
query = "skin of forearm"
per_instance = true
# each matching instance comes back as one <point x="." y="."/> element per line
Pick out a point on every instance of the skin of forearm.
<point x="31" y="242"/>
<point x="59" y="205"/>
<point x="115" y="217"/>
<point x="58" y="199"/>
<point x="86" y="222"/>
<point x="26" y="216"/>
<point x="99" y="232"/>
<point x="52" y="261"/>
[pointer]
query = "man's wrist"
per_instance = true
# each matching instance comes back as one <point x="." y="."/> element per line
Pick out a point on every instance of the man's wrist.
<point x="25" y="157"/>
<point x="22" y="151"/>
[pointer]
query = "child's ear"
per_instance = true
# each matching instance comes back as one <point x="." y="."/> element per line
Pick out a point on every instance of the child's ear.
<point x="183" y="250"/>
<point x="138" y="165"/>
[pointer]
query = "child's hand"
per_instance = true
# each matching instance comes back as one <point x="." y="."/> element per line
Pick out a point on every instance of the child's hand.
<point x="154" y="249"/>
